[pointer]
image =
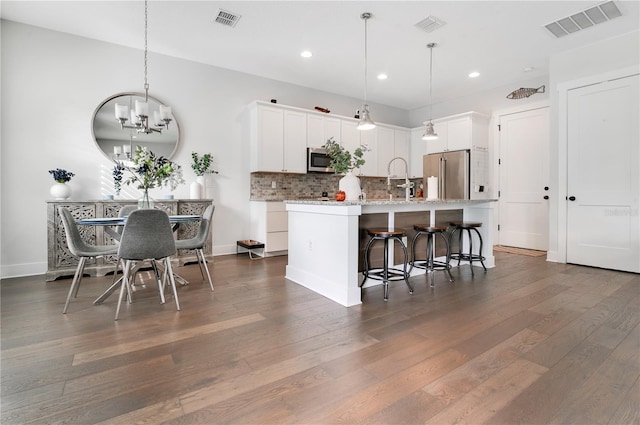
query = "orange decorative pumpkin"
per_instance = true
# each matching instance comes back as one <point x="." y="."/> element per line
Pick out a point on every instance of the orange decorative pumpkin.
<point x="341" y="195"/>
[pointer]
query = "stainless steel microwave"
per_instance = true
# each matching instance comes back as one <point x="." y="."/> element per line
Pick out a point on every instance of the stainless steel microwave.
<point x="318" y="161"/>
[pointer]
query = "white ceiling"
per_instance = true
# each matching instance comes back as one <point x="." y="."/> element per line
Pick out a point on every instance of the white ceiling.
<point x="496" y="38"/>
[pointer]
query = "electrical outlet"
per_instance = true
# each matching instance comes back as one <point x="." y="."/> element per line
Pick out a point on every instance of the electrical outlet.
<point x="273" y="184"/>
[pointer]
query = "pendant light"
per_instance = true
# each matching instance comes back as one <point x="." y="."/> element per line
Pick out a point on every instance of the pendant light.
<point x="141" y="120"/>
<point x="365" y="123"/>
<point x="430" y="133"/>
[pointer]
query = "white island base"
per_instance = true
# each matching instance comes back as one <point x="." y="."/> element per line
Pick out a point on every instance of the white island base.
<point x="324" y="237"/>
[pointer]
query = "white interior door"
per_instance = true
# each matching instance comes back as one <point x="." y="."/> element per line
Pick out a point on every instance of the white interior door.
<point x="603" y="183"/>
<point x="524" y="179"/>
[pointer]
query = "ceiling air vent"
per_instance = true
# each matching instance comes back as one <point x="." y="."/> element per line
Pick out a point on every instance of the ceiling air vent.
<point x="430" y="24"/>
<point x="227" y="18"/>
<point x="584" y="19"/>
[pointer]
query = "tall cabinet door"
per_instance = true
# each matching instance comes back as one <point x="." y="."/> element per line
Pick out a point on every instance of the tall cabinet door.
<point x="524" y="175"/>
<point x="385" y="148"/>
<point x="270" y="136"/>
<point x="603" y="183"/>
<point x="370" y="167"/>
<point x="295" y="142"/>
<point x="401" y="149"/>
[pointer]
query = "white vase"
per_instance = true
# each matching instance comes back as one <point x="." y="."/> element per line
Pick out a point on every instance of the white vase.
<point x="60" y="191"/>
<point x="350" y="184"/>
<point x="202" y="181"/>
<point x="195" y="190"/>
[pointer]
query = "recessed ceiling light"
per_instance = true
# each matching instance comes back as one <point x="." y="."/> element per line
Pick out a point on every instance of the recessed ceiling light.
<point x="474" y="74"/>
<point x="528" y="69"/>
<point x="306" y="54"/>
<point x="382" y="76"/>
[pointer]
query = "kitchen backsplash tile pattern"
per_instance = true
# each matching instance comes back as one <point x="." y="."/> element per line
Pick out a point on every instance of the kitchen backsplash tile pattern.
<point x="311" y="186"/>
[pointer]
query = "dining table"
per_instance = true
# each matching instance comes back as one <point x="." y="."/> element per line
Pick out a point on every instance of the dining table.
<point x="175" y="220"/>
<point x="121" y="221"/>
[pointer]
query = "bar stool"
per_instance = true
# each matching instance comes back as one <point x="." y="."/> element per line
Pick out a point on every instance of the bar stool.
<point x="429" y="264"/>
<point x="460" y="227"/>
<point x="385" y="273"/>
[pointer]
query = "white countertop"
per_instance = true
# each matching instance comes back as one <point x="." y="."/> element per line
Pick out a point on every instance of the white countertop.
<point x="413" y="201"/>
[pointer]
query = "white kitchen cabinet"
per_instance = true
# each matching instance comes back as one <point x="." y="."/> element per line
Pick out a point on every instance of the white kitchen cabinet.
<point x="440" y="144"/>
<point x="350" y="135"/>
<point x="295" y="146"/>
<point x="392" y="143"/>
<point x="280" y="135"/>
<point x="459" y="134"/>
<point x="385" y="148"/>
<point x="417" y="149"/>
<point x="321" y="128"/>
<point x="463" y="131"/>
<point x="401" y="140"/>
<point x="269" y="224"/>
<point x="278" y="139"/>
<point x="370" y="167"/>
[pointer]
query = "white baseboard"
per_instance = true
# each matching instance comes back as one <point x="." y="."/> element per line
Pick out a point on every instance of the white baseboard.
<point x="552" y="256"/>
<point x="20" y="270"/>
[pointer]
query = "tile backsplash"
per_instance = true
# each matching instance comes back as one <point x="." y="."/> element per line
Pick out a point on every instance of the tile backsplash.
<point x="311" y="186"/>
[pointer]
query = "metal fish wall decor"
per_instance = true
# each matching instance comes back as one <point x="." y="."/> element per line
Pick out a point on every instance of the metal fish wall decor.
<point x="522" y="92"/>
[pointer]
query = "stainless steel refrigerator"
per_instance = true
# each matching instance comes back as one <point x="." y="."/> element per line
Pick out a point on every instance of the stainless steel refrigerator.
<point x="452" y="170"/>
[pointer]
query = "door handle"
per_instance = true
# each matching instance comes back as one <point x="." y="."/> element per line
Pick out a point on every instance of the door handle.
<point x="546" y="196"/>
<point x="571" y="198"/>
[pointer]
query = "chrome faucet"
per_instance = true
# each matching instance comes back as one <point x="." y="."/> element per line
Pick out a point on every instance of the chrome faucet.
<point x="406" y="185"/>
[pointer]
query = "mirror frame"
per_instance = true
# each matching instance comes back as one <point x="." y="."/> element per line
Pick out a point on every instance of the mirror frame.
<point x="109" y="155"/>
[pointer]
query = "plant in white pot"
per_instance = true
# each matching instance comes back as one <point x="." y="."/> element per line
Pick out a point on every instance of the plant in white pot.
<point x="60" y="190"/>
<point x="202" y="167"/>
<point x="343" y="162"/>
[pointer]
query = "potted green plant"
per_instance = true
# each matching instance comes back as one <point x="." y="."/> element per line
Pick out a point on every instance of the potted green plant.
<point x="202" y="167"/>
<point x="343" y="162"/>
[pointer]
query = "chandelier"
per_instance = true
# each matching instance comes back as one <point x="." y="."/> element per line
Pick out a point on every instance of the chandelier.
<point x="430" y="133"/>
<point x="139" y="113"/>
<point x="365" y="123"/>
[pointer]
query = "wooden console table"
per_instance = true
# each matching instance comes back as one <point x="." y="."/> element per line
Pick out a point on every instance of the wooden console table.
<point x="60" y="261"/>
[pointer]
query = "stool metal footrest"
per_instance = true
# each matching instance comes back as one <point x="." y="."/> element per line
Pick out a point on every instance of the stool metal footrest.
<point x="392" y="274"/>
<point x="464" y="256"/>
<point x="385" y="273"/>
<point x="430" y="264"/>
<point x="427" y="265"/>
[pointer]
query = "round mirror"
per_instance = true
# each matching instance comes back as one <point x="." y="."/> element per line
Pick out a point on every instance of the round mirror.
<point x="116" y="142"/>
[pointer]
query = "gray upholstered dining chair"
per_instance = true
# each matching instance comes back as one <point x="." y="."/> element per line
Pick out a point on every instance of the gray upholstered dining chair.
<point x="198" y="242"/>
<point x="147" y="235"/>
<point x="80" y="249"/>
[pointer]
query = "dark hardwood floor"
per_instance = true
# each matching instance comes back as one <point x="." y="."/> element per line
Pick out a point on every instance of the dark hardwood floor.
<point x="529" y="342"/>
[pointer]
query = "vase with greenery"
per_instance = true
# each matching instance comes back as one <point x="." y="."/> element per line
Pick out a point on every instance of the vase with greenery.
<point x="343" y="162"/>
<point x="202" y="167"/>
<point x="147" y="171"/>
<point x="60" y="190"/>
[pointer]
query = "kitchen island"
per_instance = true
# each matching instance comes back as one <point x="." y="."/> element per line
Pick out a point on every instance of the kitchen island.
<point x="324" y="238"/>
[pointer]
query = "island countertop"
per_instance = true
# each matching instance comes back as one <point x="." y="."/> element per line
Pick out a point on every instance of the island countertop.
<point x="398" y="201"/>
<point x="323" y="238"/>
